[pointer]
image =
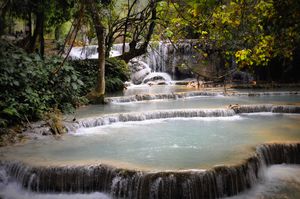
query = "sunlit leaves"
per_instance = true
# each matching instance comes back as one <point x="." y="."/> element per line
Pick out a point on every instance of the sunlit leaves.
<point x="263" y="51"/>
<point x="243" y="57"/>
<point x="250" y="32"/>
<point x="265" y="8"/>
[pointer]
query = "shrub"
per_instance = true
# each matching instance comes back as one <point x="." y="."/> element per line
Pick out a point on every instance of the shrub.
<point x="29" y="88"/>
<point x="116" y="73"/>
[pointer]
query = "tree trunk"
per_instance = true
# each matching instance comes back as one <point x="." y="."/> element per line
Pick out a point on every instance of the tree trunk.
<point x="101" y="33"/>
<point x="100" y="87"/>
<point x="3" y="10"/>
<point x="42" y="40"/>
<point x="57" y="32"/>
<point x="2" y="23"/>
<point x="38" y="32"/>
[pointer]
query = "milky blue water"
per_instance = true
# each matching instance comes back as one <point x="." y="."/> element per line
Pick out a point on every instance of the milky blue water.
<point x="170" y="144"/>
<point x="194" y="102"/>
<point x="181" y="143"/>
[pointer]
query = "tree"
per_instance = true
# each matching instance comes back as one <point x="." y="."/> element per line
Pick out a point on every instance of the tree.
<point x="245" y="33"/>
<point x="101" y="34"/>
<point x="136" y="28"/>
<point x="43" y="14"/>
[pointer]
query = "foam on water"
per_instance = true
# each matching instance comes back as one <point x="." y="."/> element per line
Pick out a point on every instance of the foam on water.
<point x="280" y="181"/>
<point x="166" y="77"/>
<point x="13" y="190"/>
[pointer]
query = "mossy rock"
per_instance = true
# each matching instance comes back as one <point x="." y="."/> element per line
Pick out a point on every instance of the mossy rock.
<point x="95" y="98"/>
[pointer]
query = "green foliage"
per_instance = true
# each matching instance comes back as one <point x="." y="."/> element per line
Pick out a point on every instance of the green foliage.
<point x="253" y="33"/>
<point x="58" y="12"/>
<point x="29" y="88"/>
<point x="116" y="73"/>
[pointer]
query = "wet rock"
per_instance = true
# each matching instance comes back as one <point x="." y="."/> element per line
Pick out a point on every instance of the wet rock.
<point x="38" y="130"/>
<point x="139" y="70"/>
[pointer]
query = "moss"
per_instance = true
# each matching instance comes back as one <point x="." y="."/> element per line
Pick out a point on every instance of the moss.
<point x="95" y="98"/>
<point x="54" y="120"/>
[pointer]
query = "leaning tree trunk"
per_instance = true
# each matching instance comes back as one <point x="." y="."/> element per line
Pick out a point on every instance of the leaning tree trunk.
<point x="101" y="33"/>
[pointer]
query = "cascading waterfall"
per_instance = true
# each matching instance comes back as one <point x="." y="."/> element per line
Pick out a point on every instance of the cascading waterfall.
<point x="275" y="93"/>
<point x="265" y="108"/>
<point x="220" y="181"/>
<point x="179" y="95"/>
<point x="180" y="113"/>
<point x="162" y="57"/>
<point x="165" y="56"/>
<point x="147" y="97"/>
<point x="162" y="114"/>
<point x="217" y="182"/>
<point x="87" y="52"/>
<point x="90" y="52"/>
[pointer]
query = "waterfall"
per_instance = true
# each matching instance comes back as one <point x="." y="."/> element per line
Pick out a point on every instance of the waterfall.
<point x="164" y="56"/>
<point x="141" y="116"/>
<point x="265" y="108"/>
<point x="274" y="93"/>
<point x="220" y="181"/>
<point x="179" y="113"/>
<point x="179" y="95"/>
<point x="157" y="76"/>
<point x="161" y="57"/>
<point x="87" y="52"/>
<point x="147" y="97"/>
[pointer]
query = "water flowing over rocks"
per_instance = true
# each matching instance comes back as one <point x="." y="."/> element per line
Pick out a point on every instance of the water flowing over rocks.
<point x="141" y="116"/>
<point x="220" y="181"/>
<point x="167" y="57"/>
<point x="141" y="73"/>
<point x="157" y="76"/>
<point x="139" y="70"/>
<point x="86" y="52"/>
<point x="275" y="93"/>
<point x="180" y="113"/>
<point x="147" y="97"/>
<point x="179" y="95"/>
<point x="161" y="57"/>
<point x="265" y="108"/>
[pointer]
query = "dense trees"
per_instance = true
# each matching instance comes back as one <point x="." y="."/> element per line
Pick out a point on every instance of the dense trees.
<point x="243" y="32"/>
<point x="40" y="17"/>
<point x="247" y="33"/>
<point x="29" y="88"/>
